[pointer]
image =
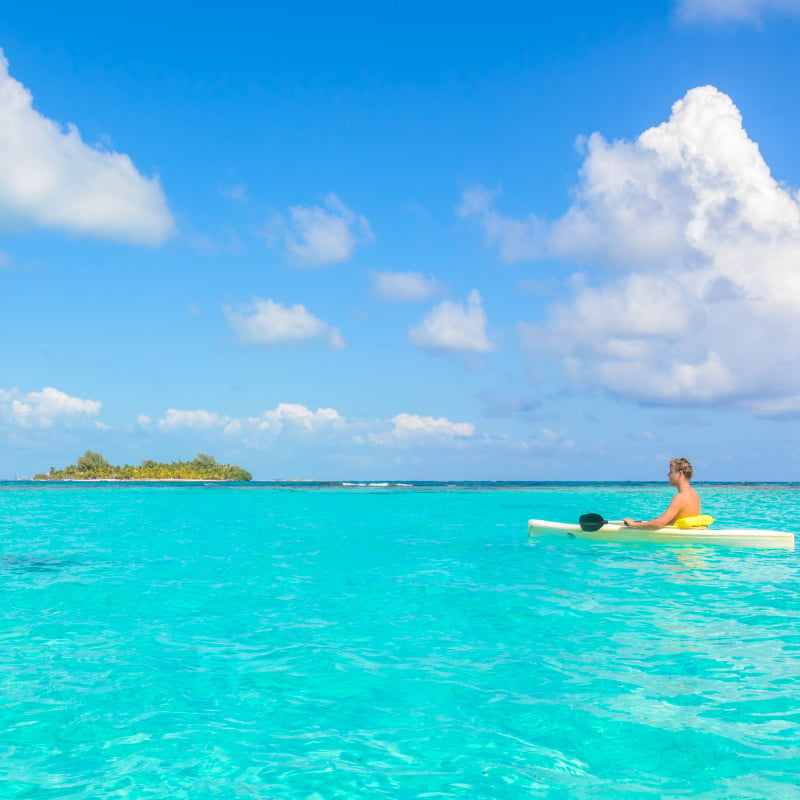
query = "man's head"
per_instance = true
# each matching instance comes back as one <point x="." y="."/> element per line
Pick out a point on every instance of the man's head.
<point x="681" y="466"/>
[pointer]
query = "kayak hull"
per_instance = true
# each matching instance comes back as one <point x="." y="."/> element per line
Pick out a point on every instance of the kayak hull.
<point x="617" y="532"/>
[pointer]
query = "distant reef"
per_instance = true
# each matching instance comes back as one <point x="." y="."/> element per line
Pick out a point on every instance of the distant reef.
<point x="92" y="466"/>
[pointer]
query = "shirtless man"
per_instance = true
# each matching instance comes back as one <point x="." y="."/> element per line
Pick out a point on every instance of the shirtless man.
<point x="686" y="502"/>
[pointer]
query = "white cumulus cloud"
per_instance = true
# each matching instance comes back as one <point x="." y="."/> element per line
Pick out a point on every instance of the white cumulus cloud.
<point x="267" y="323"/>
<point x="46" y="408"/>
<point x="403" y="287"/>
<point x="296" y="414"/>
<point x="454" y="327"/>
<point x="736" y="10"/>
<point x="415" y="428"/>
<point x="50" y="178"/>
<point x="703" y="304"/>
<point x="315" y="236"/>
<point x="293" y="416"/>
<point x="200" y="419"/>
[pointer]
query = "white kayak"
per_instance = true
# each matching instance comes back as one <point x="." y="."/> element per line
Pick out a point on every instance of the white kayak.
<point x="617" y="532"/>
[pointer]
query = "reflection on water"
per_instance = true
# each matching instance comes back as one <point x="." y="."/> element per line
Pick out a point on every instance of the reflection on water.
<point x="691" y="559"/>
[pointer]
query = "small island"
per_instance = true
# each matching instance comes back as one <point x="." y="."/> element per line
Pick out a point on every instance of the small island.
<point x="92" y="466"/>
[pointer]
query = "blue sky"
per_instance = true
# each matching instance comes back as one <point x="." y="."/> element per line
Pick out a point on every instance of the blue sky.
<point x="533" y="241"/>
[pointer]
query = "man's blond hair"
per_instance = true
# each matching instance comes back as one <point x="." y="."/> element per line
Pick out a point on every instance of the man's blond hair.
<point x="682" y="465"/>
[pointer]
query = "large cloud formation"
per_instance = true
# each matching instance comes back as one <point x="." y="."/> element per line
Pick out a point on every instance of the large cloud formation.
<point x="705" y="306"/>
<point x="50" y="178"/>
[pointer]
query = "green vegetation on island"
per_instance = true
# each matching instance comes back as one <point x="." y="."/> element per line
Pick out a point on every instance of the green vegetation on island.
<point x="92" y="466"/>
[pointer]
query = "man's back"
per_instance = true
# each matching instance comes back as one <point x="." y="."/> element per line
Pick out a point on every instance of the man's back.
<point x="689" y="502"/>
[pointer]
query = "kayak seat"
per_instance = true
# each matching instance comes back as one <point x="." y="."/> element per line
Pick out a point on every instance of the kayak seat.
<point x="700" y="521"/>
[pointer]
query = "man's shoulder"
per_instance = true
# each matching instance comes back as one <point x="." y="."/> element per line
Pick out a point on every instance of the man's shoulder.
<point x="690" y="500"/>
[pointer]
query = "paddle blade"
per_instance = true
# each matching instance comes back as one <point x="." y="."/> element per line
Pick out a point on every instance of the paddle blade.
<point x="591" y="522"/>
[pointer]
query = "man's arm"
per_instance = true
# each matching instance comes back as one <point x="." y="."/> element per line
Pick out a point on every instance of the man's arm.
<point x="667" y="518"/>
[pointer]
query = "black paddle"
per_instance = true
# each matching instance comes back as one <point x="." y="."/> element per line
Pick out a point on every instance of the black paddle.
<point x="591" y="522"/>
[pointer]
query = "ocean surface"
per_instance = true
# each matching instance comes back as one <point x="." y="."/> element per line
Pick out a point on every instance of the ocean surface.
<point x="312" y="642"/>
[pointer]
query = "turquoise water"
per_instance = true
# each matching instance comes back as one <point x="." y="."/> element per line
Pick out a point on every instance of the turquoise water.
<point x="170" y="641"/>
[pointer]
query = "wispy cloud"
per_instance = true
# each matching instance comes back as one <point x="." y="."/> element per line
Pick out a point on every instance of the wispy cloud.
<point x="454" y="327"/>
<point x="498" y="405"/>
<point x="200" y="419"/>
<point x="735" y="10"/>
<point x="315" y="236"/>
<point x="403" y="287"/>
<point x="236" y="192"/>
<point x="226" y="242"/>
<point x="516" y="240"/>
<point x="50" y="178"/>
<point x="270" y="324"/>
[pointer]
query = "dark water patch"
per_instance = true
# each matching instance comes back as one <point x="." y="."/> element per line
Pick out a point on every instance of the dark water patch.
<point x="37" y="563"/>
